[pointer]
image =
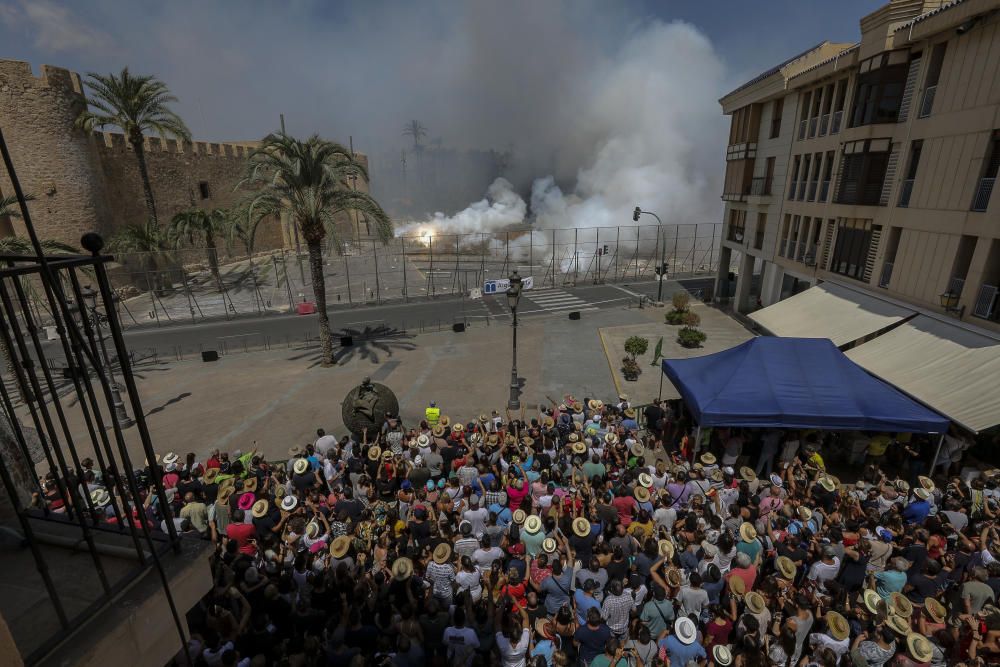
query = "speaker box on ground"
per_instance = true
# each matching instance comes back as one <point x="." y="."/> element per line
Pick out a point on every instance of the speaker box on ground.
<point x="209" y="355"/>
<point x="458" y="327"/>
<point x="71" y="372"/>
<point x="346" y="341"/>
<point x="574" y="315"/>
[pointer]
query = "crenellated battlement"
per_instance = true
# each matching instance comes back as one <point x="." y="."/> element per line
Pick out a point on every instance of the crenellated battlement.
<point x="115" y="142"/>
<point x="19" y="72"/>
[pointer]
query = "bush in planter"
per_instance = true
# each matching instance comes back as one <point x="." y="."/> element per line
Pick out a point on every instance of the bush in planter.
<point x="635" y="346"/>
<point x="630" y="368"/>
<point x="690" y="319"/>
<point x="680" y="300"/>
<point x="690" y="337"/>
<point x="675" y="317"/>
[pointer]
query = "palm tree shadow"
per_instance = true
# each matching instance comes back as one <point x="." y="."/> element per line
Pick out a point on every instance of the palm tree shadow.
<point x="370" y="344"/>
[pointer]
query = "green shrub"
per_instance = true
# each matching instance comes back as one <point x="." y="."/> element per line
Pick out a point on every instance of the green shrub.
<point x="630" y="368"/>
<point x="636" y="345"/>
<point x="690" y="337"/>
<point x="681" y="300"/>
<point x="675" y="317"/>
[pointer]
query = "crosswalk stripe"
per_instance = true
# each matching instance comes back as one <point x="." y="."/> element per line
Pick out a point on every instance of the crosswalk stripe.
<point x="557" y="299"/>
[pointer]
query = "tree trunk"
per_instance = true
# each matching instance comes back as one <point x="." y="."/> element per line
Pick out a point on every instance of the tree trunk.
<point x="147" y="188"/>
<point x="21" y="471"/>
<point x="213" y="257"/>
<point x="315" y="247"/>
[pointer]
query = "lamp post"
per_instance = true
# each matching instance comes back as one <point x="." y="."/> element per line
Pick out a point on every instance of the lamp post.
<point x="121" y="415"/>
<point x="513" y="296"/>
<point x="663" y="247"/>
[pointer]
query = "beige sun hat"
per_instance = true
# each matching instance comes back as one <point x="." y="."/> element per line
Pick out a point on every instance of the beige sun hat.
<point x="920" y="647"/>
<point x="645" y="479"/>
<point x="402" y="568"/>
<point x="533" y="524"/>
<point x="250" y="484"/>
<point x="340" y="546"/>
<point x="899" y="605"/>
<point x="578" y="447"/>
<point x="922" y="493"/>
<point x="312" y="530"/>
<point x="438" y="431"/>
<point x="926" y="482"/>
<point x="935" y="610"/>
<point x="100" y="497"/>
<point x="595" y="404"/>
<point x="442" y="553"/>
<point x="873" y="602"/>
<point x="374" y="452"/>
<point x="721" y="655"/>
<point x="169" y="458"/>
<point x="288" y="503"/>
<point x="708" y="458"/>
<point x="210" y="475"/>
<point x="899" y="624"/>
<point x="574" y="437"/>
<point x="786" y="568"/>
<point x="755" y="602"/>
<point x="444" y="421"/>
<point x="737" y="586"/>
<point x="636" y="449"/>
<point x="544" y="628"/>
<point x="423" y="440"/>
<point x="827" y="483"/>
<point x="747" y="473"/>
<point x="641" y="494"/>
<point x="747" y="532"/>
<point x="300" y="466"/>
<point x="549" y="545"/>
<point x="548" y="422"/>
<point x="611" y="438"/>
<point x="458" y="428"/>
<point x="630" y="413"/>
<point x="665" y="548"/>
<point x="804" y="513"/>
<point x="674" y="577"/>
<point x="519" y="516"/>
<point x="259" y="509"/>
<point x="581" y="527"/>
<point x="840" y="629"/>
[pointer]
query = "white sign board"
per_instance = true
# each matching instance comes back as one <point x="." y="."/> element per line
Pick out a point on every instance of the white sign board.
<point x="501" y="285"/>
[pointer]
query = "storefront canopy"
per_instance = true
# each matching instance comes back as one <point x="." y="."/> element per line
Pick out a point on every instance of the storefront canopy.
<point x="830" y="311"/>
<point x="794" y="383"/>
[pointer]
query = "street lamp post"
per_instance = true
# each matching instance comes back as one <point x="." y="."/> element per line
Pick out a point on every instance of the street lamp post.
<point x="121" y="415"/>
<point x="663" y="247"/>
<point x="513" y="296"/>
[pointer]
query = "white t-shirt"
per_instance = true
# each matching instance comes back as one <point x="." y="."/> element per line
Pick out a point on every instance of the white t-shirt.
<point x="821" y="572"/>
<point x="325" y="444"/>
<point x="462" y="644"/>
<point x="513" y="656"/>
<point x="470" y="581"/>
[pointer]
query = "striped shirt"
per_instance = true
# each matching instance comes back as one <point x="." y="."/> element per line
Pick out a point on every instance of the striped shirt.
<point x="440" y="576"/>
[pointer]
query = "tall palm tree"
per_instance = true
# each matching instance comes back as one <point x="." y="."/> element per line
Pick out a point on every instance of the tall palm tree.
<point x="135" y="104"/>
<point x="307" y="180"/>
<point x="149" y="241"/>
<point x="415" y="131"/>
<point x="197" y="225"/>
<point x="9" y="206"/>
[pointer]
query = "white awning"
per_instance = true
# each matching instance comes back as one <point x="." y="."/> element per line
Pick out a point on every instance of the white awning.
<point x="950" y="368"/>
<point x="830" y="311"/>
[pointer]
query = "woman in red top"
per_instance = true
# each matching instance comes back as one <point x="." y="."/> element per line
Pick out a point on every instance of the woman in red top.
<point x="718" y="629"/>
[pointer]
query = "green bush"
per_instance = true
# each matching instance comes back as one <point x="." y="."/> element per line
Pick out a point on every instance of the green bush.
<point x="690" y="337"/>
<point x="675" y="317"/>
<point x="630" y="368"/>
<point x="636" y="345"/>
<point x="681" y="300"/>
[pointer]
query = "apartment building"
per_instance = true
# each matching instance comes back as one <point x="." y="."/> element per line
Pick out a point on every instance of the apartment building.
<point x="873" y="165"/>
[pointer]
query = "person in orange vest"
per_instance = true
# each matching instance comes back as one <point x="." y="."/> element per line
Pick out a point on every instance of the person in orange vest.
<point x="432" y="414"/>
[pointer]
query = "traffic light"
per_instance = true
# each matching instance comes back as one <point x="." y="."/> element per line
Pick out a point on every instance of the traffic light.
<point x="605" y="249"/>
<point x="635" y="214"/>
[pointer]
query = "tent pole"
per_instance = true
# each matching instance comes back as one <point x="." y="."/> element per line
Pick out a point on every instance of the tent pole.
<point x="697" y="440"/>
<point x="937" y="453"/>
<point x="659" y="396"/>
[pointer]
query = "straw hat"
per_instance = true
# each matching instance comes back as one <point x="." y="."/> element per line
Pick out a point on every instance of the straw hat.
<point x="519" y="516"/>
<point x="387" y="455"/>
<point x="227" y="483"/>
<point x="827" y="484"/>
<point x="645" y="479"/>
<point x="402" y="568"/>
<point x="922" y="493"/>
<point x="611" y="438"/>
<point x="549" y="545"/>
<point x="755" y="602"/>
<point x="250" y="484"/>
<point x="747" y="473"/>
<point x="442" y="553"/>
<point x="224" y="493"/>
<point x="902" y="485"/>
<point x="641" y="494"/>
<point x="747" y="532"/>
<point x="578" y="447"/>
<point x="301" y="466"/>
<point x="935" y="610"/>
<point x="259" y="509"/>
<point x="493" y="438"/>
<point x="100" y="497"/>
<point x="636" y="449"/>
<point x="665" y="548"/>
<point x="374" y="452"/>
<point x="716" y="475"/>
<point x="458" y="428"/>
<point x="423" y="440"/>
<point x="685" y="630"/>
<point x="544" y="628"/>
<point x="288" y="503"/>
<point x="873" y="601"/>
<point x="786" y="568"/>
<point x="919" y="647"/>
<point x="444" y="421"/>
<point x="527" y="441"/>
<point x="630" y="413"/>
<point x="804" y="513"/>
<point x="721" y="655"/>
<point x="533" y="524"/>
<point x="899" y="624"/>
<point x="926" y="482"/>
<point x="581" y="527"/>
<point x="595" y="405"/>
<point x="279" y="491"/>
<point x="708" y="458"/>
<point x="210" y="475"/>
<point x="577" y="406"/>
<point x="899" y="605"/>
<point x="840" y="629"/>
<point x="737" y="586"/>
<point x="548" y="422"/>
<point x="312" y="530"/>
<point x="438" y="430"/>
<point x="340" y="546"/>
<point x="169" y="458"/>
<point x="294" y="451"/>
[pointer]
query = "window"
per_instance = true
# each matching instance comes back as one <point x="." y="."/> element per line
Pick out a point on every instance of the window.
<point x="795" y="175"/>
<point x="991" y="165"/>
<point x="737" y="225"/>
<point x="863" y="172"/>
<point x="758" y="241"/>
<point x="906" y="189"/>
<point x="784" y="234"/>
<point x="933" y="75"/>
<point x="203" y="190"/>
<point x="776" y="108"/>
<point x="880" y="90"/>
<point x="850" y="252"/>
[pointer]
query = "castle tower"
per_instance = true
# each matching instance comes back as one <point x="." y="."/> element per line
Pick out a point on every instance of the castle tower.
<point x="54" y="161"/>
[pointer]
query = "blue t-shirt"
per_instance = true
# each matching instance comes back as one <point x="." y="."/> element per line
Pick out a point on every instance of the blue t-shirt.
<point x="681" y="654"/>
<point x="592" y="641"/>
<point x="916" y="511"/>
<point x="556" y="590"/>
<point x="584" y="603"/>
<point x="544" y="648"/>
<point x="889" y="582"/>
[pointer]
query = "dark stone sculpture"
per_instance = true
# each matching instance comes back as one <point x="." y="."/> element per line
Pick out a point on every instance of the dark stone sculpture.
<point x="366" y="405"/>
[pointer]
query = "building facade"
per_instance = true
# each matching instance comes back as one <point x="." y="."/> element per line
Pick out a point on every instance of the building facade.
<point x="873" y="164"/>
<point x="89" y="181"/>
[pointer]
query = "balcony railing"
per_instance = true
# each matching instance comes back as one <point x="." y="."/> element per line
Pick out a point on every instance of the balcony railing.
<point x="824" y="124"/>
<point x="802" y="129"/>
<point x="802" y="190"/>
<point x="760" y="186"/>
<point x="886" y="275"/>
<point x="758" y="240"/>
<point x="783" y="248"/>
<point x="982" y="198"/>
<point x="824" y="190"/>
<point x="905" y="190"/>
<point x="927" y="103"/>
<point x="956" y="285"/>
<point x="987" y="304"/>
<point x="735" y="233"/>
<point x="812" y="191"/>
<point x="791" y="190"/>
<point x="835" y="127"/>
<point x="813" y="124"/>
<point x="800" y="250"/>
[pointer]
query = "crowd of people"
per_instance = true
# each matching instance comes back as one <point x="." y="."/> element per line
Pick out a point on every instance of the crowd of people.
<point x="589" y="534"/>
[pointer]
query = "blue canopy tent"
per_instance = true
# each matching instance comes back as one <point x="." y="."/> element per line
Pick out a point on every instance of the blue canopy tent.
<point x="794" y="383"/>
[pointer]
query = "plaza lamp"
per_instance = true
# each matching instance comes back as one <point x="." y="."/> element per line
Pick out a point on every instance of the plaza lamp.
<point x="513" y="296"/>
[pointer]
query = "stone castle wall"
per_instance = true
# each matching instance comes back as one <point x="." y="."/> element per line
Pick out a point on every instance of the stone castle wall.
<point x="90" y="181"/>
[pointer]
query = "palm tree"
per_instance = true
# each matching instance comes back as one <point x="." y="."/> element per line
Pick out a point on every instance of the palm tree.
<point x="417" y="132"/>
<point x="307" y="180"/>
<point x="198" y="225"/>
<point x="9" y="206"/>
<point x="135" y="104"/>
<point x="147" y="239"/>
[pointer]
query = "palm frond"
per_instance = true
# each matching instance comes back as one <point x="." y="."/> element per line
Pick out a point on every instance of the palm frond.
<point x="135" y="104"/>
<point x="10" y="207"/>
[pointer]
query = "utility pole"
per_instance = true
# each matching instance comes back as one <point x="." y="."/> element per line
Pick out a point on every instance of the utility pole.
<point x="663" y="248"/>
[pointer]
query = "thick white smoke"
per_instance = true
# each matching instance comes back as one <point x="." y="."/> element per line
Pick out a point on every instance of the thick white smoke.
<point x="656" y="136"/>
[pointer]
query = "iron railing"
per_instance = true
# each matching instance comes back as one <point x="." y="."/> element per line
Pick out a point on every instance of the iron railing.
<point x="987" y="303"/>
<point x="783" y="248"/>
<point x="760" y="186"/>
<point x="824" y="190"/>
<point x="812" y="191"/>
<point x="927" y="103"/>
<point x="802" y="128"/>
<point x="835" y="124"/>
<point x="905" y="190"/>
<point x="983" y="191"/>
<point x="824" y="124"/>
<point x="886" y="275"/>
<point x="813" y="124"/>
<point x="956" y="285"/>
<point x="791" y="190"/>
